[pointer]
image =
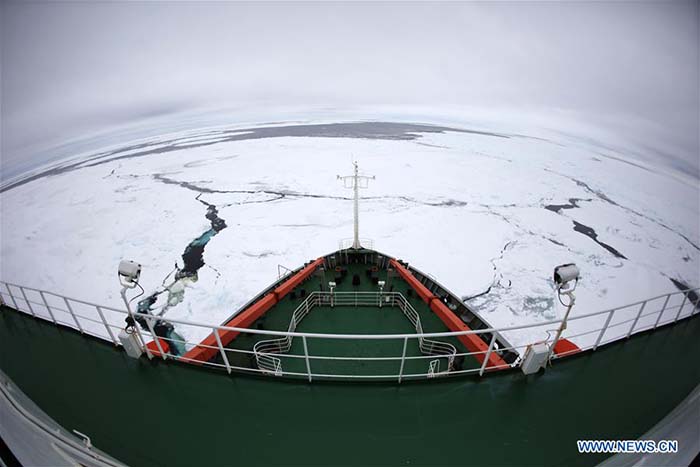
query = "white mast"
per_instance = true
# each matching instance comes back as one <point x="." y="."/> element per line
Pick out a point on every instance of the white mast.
<point x="356" y="182"/>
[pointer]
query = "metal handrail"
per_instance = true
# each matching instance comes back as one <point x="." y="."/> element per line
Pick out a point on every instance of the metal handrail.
<point x="264" y="350"/>
<point x="367" y="336"/>
<point x="346" y="243"/>
<point x="426" y="346"/>
<point x="91" y="325"/>
<point x="362" y="336"/>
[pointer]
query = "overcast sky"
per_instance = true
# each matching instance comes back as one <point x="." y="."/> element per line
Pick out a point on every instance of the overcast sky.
<point x="72" y="68"/>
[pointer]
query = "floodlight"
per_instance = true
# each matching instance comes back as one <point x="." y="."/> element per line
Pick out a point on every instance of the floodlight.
<point x="565" y="273"/>
<point x="129" y="273"/>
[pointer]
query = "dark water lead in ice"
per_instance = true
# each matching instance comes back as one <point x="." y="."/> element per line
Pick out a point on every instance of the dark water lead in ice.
<point x="589" y="232"/>
<point x="192" y="258"/>
<point x="573" y="203"/>
<point x="193" y="261"/>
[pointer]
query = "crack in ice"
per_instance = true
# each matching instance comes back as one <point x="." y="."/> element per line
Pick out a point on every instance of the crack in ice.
<point x="602" y="196"/>
<point x="495" y="280"/>
<point x="193" y="261"/>
<point x="285" y="194"/>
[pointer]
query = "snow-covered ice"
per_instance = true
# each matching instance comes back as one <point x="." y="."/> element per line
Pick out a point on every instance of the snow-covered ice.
<point x="467" y="207"/>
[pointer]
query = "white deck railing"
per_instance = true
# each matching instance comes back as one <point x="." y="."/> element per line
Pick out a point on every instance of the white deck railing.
<point x="106" y="322"/>
<point x="266" y="350"/>
<point x="346" y="243"/>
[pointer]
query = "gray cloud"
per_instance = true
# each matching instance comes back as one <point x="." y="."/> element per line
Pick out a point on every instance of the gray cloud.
<point x="69" y="69"/>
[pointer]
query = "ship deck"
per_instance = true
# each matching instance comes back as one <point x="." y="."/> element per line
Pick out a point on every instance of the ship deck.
<point x="169" y="413"/>
<point x="349" y="320"/>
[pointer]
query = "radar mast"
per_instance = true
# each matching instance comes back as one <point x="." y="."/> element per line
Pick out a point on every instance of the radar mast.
<point x="356" y="182"/>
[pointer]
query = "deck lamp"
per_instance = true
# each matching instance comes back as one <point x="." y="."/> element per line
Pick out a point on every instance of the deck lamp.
<point x="129" y="273"/>
<point x="565" y="274"/>
<point x="566" y="279"/>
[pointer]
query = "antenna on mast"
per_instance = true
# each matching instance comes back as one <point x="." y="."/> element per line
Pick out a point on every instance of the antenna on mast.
<point x="356" y="182"/>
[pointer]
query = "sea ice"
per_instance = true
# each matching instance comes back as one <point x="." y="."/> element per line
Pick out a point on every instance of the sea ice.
<point x="469" y="208"/>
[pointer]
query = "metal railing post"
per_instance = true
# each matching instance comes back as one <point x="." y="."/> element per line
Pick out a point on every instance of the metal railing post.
<point x="104" y="321"/>
<point x="48" y="308"/>
<point x="634" y="323"/>
<point x="142" y="341"/>
<point x="663" y="308"/>
<point x="156" y="339"/>
<point x="605" y="327"/>
<point x="488" y="354"/>
<point x="221" y="349"/>
<point x="29" y="305"/>
<point x="685" y="299"/>
<point x="403" y="358"/>
<point x="12" y="297"/>
<point x="306" y="357"/>
<point x="75" y="318"/>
